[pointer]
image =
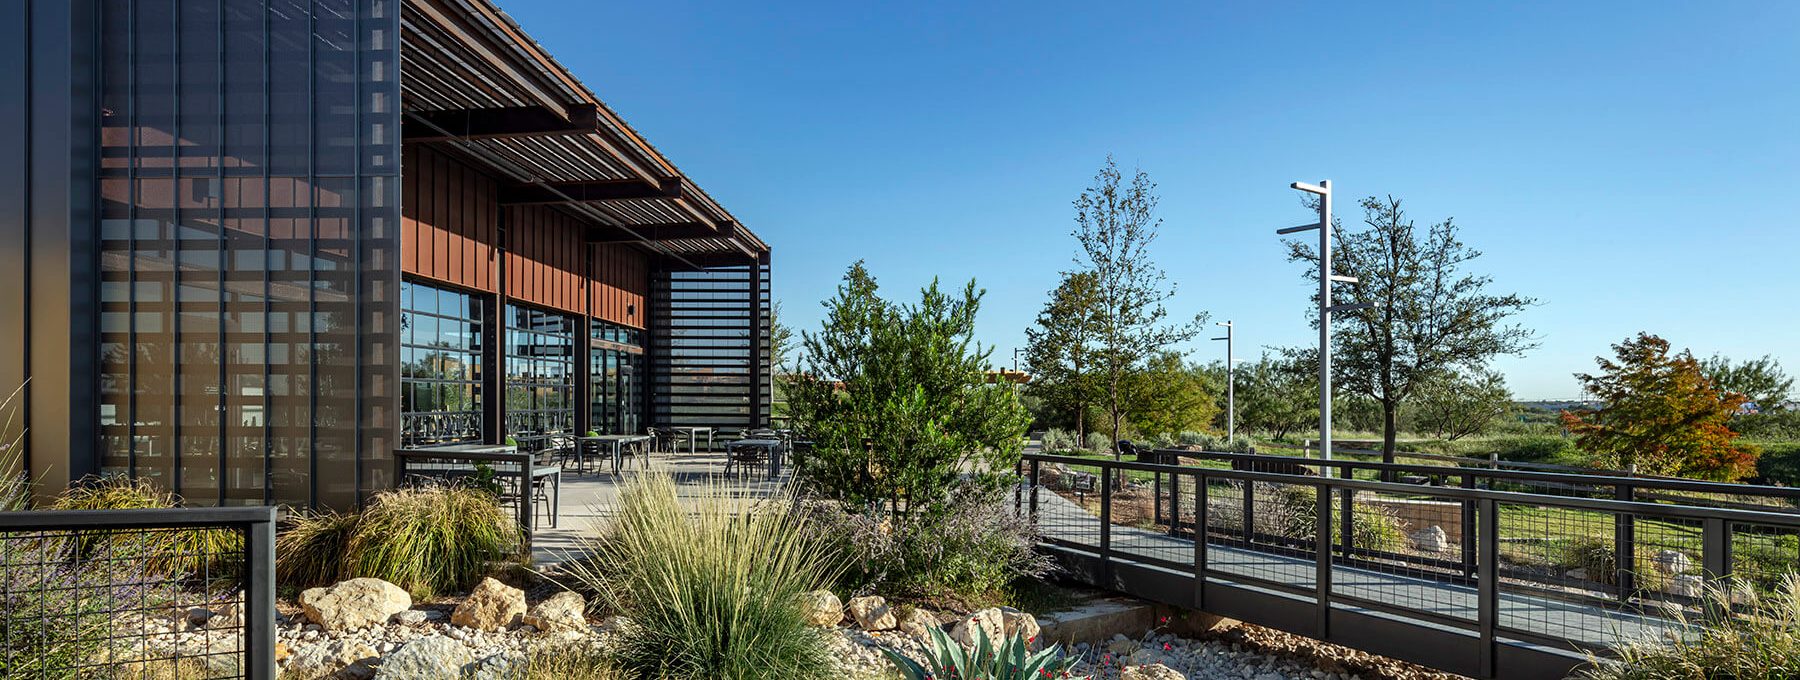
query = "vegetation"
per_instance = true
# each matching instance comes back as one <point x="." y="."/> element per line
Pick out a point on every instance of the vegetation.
<point x="1761" y="380"/>
<point x="1060" y="351"/>
<point x="967" y="556"/>
<point x="1452" y="405"/>
<point x="1170" y="396"/>
<point x="947" y="659"/>
<point x="1761" y="641"/>
<point x="312" y="549"/>
<point x="1430" y="315"/>
<point x="210" y="554"/>
<point x="427" y="540"/>
<point x="1277" y="394"/>
<point x="564" y="661"/>
<point x="1662" y="415"/>
<point x="712" y="587"/>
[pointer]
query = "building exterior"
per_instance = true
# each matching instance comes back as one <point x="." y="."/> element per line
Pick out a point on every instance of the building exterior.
<point x="250" y="247"/>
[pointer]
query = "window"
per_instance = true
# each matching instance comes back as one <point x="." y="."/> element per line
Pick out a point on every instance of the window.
<point x="441" y="342"/>
<point x="616" y="372"/>
<point x="540" y="376"/>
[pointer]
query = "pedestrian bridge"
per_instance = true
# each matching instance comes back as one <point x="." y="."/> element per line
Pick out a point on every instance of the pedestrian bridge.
<point x="1534" y="572"/>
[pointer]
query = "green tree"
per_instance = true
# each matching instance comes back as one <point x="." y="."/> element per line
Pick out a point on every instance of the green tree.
<point x="1116" y="223"/>
<point x="1662" y="416"/>
<point x="1760" y="380"/>
<point x="1452" y="405"/>
<point x="895" y="400"/>
<point x="1277" y="394"/>
<point x="1171" y="397"/>
<point x="1430" y="314"/>
<point x="1060" y="349"/>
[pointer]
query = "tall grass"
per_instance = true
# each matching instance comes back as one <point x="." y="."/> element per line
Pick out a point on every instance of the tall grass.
<point x="427" y="540"/>
<point x="312" y="548"/>
<point x="1761" y="641"/>
<point x="213" y="554"/>
<point x="711" y="586"/>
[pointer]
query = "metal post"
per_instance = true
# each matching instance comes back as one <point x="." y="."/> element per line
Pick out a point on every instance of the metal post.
<point x="1326" y="278"/>
<point x="1230" y="384"/>
<point x="259" y="599"/>
<point x="1322" y="560"/>
<point x="1715" y="548"/>
<point x="1347" y="522"/>
<point x="1036" y="481"/>
<point x="1468" y="528"/>
<point x="1200" y="523"/>
<point x="1174" y="504"/>
<point x="1106" y="494"/>
<point x="1488" y="582"/>
<point x="1624" y="545"/>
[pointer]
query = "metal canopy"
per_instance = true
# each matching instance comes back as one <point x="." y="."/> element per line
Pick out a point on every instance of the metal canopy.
<point x="473" y="81"/>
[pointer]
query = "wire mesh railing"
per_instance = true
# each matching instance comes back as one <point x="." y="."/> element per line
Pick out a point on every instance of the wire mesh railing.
<point x="182" y="593"/>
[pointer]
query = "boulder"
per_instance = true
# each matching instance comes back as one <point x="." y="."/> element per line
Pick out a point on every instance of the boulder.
<point x="329" y="659"/>
<point x="917" y="623"/>
<point x="492" y="606"/>
<point x="1015" y="622"/>
<point x="872" y="613"/>
<point x="1687" y="585"/>
<point x="821" y="608"/>
<point x="1431" y="539"/>
<point x="354" y="604"/>
<point x="1672" y="561"/>
<point x="563" y="611"/>
<point x="1155" y="671"/>
<point x="989" y="620"/>
<point x="433" y="657"/>
<point x="412" y="617"/>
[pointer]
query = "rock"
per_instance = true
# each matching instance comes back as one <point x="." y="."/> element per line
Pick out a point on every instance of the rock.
<point x="1015" y="622"/>
<point x="989" y="620"/>
<point x="1688" y="585"/>
<point x="411" y="617"/>
<point x="1122" y="648"/>
<point x="195" y="617"/>
<point x="822" y="608"/>
<point x="1155" y="671"/>
<point x="1577" y="574"/>
<point x="872" y="613"/>
<point x="328" y="659"/>
<point x="917" y="623"/>
<point x="1431" y="539"/>
<point x="433" y="657"/>
<point x="492" y="606"/>
<point x="354" y="604"/>
<point x="1672" y="561"/>
<point x="563" y="611"/>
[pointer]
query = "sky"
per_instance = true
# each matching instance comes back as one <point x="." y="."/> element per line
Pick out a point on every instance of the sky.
<point x="1635" y="166"/>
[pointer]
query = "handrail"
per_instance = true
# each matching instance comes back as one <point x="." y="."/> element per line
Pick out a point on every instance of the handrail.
<point x="148" y="518"/>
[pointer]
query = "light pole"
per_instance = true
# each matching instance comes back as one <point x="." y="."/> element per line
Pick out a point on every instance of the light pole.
<point x="1326" y="278"/>
<point x="1230" y="386"/>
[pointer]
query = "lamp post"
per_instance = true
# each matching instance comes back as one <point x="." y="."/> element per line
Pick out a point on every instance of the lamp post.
<point x="1230" y="386"/>
<point x="1326" y="278"/>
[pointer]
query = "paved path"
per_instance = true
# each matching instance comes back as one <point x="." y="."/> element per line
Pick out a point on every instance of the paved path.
<point x="589" y="498"/>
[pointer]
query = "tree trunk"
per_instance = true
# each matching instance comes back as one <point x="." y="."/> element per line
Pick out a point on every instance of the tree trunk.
<point x="1390" y="429"/>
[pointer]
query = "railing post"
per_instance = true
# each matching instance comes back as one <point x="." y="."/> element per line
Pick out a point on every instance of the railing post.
<point x="1488" y="566"/>
<point x="1322" y="560"/>
<point x="1156" y="504"/>
<point x="1036" y="481"/>
<point x="1624" y="545"/>
<point x="1347" y="523"/>
<point x="1249" y="514"/>
<point x="1715" y="548"/>
<point x="259" y="599"/>
<point x="1019" y="488"/>
<point x="1468" y="528"/>
<point x="1106" y="494"/>
<point x="1174" y="504"/>
<point x="1200" y="523"/>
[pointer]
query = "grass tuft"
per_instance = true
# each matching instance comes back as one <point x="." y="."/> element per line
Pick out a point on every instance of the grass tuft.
<point x="1760" y="641"/>
<point x="312" y="547"/>
<point x="429" y="540"/>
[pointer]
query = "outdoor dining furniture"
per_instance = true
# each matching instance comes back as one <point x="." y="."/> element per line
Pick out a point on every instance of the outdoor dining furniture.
<point x="693" y="435"/>
<point x="742" y="453"/>
<point x="619" y="447"/>
<point x="525" y="474"/>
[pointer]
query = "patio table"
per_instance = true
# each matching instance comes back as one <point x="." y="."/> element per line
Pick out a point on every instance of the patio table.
<point x="693" y="432"/>
<point x="617" y="444"/>
<point x="462" y="460"/>
<point x="771" y="448"/>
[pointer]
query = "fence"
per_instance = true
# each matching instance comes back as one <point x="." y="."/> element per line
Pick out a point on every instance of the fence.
<point x="187" y="593"/>
<point x="1564" y="571"/>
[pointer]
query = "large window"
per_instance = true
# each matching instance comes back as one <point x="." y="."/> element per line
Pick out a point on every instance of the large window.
<point x="540" y="375"/>
<point x="441" y="342"/>
<point x="616" y="372"/>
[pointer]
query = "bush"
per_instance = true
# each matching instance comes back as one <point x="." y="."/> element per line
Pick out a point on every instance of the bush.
<point x="430" y="540"/>
<point x="1217" y="444"/>
<point x="58" y="599"/>
<point x="1762" y="640"/>
<point x="183" y="553"/>
<point x="1779" y="464"/>
<point x="969" y="551"/>
<point x="946" y="659"/>
<point x="563" y="661"/>
<point x="1591" y="555"/>
<point x="312" y="549"/>
<point x="1769" y="425"/>
<point x="712" y="587"/>
<point x="1551" y="449"/>
<point x="1098" y="442"/>
<point x="1291" y="511"/>
<point x="1055" y="440"/>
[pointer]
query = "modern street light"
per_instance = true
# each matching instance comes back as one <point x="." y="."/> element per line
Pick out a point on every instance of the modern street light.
<point x="1326" y="278"/>
<point x="1230" y="386"/>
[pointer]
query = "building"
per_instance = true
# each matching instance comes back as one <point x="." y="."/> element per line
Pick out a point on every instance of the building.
<point x="253" y="246"/>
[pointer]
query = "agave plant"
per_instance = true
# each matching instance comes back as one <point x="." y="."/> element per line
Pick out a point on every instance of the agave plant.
<point x="1011" y="661"/>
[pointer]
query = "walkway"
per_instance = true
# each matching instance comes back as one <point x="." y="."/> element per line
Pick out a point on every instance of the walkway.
<point x="589" y="498"/>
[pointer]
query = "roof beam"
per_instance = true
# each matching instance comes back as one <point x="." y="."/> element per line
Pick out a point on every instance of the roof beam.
<point x="670" y="231"/>
<point x="596" y="191"/>
<point x="501" y="123"/>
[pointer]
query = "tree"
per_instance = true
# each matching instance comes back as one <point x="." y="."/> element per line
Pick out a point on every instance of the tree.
<point x="896" y="402"/>
<point x="1060" y="350"/>
<point x="1116" y="224"/>
<point x="1430" y="316"/>
<point x="1277" y="394"/>
<point x="1171" y="397"/>
<point x="1662" y="416"/>
<point x="1760" y="380"/>
<point x="1452" y="405"/>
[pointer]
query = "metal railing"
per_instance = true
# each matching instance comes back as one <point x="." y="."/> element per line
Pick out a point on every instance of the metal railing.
<point x="522" y="480"/>
<point x="1575" y="570"/>
<point x="187" y="592"/>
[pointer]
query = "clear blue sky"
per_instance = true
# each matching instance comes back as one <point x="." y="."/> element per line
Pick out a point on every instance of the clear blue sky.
<point x="1635" y="165"/>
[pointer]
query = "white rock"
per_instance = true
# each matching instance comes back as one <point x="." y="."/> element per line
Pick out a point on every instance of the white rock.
<point x="562" y="611"/>
<point x="1155" y="671"/>
<point x="822" y="608"/>
<point x="354" y="604"/>
<point x="1431" y="539"/>
<point x="1672" y="561"/>
<point x="433" y="657"/>
<point x="872" y="613"/>
<point x="410" y="617"/>
<point x="327" y="659"/>
<point x="989" y="620"/>
<point x="491" y="606"/>
<point x="1015" y="622"/>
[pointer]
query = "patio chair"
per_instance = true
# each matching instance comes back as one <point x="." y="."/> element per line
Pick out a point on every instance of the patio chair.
<point x="590" y="448"/>
<point x="741" y="457"/>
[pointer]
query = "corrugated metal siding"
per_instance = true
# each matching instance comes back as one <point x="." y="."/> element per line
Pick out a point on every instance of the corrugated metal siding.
<point x="620" y="280"/>
<point x="450" y="221"/>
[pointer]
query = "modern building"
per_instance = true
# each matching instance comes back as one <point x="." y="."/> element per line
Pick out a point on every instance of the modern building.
<point x="250" y="247"/>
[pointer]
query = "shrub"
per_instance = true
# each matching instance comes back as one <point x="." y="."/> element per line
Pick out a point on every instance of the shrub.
<point x="431" y="539"/>
<point x="1099" y="442"/>
<point x="311" y="549"/>
<point x="58" y="600"/>
<point x="1058" y="440"/>
<point x="1541" y="448"/>
<point x="1215" y="443"/>
<point x="946" y="659"/>
<point x="1594" y="556"/>
<point x="181" y="553"/>
<point x="1779" y="464"/>
<point x="712" y="587"/>
<point x="1761" y="641"/>
<point x="969" y="550"/>
<point x="1291" y="511"/>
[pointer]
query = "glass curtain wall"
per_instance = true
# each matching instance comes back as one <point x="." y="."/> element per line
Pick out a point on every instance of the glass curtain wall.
<point x="249" y="203"/>
<point x="441" y="343"/>
<point x="540" y="376"/>
<point x="616" y="378"/>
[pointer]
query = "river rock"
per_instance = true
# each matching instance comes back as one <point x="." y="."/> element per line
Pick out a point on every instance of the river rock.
<point x="1155" y="671"/>
<point x="989" y="620"/>
<point x="1023" y="624"/>
<point x="917" y="623"/>
<point x="1672" y="561"/>
<point x="492" y="606"/>
<point x="328" y="659"/>
<point x="354" y="604"/>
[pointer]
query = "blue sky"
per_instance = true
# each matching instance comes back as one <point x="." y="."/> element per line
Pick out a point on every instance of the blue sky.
<point x="1634" y="165"/>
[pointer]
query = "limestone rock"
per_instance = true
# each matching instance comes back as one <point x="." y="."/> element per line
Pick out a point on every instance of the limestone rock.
<point x="1688" y="585"/>
<point x="328" y="659"/>
<point x="1431" y="539"/>
<point x="412" y="617"/>
<point x="1672" y="561"/>
<point x="433" y="657"/>
<point x="872" y="613"/>
<point x="822" y="608"/>
<point x="563" y="611"/>
<point x="354" y="604"/>
<point x="1155" y="671"/>
<point x="1015" y="622"/>
<point x="989" y="620"/>
<point x="917" y="623"/>
<point x="492" y="606"/>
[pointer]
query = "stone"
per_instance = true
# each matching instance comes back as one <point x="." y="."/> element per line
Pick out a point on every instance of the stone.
<point x="1672" y="561"/>
<point x="433" y="657"/>
<point x="562" y="611"/>
<point x="492" y="606"/>
<point x="822" y="608"/>
<point x="989" y="620"/>
<point x="411" y="617"/>
<point x="1155" y="671"/>
<point x="354" y="604"/>
<point x="1014" y="622"/>
<point x="1431" y="539"/>
<point x="917" y="623"/>
<point x="327" y="659"/>
<point x="1688" y="585"/>
<point x="1578" y="574"/>
<point x="872" y="613"/>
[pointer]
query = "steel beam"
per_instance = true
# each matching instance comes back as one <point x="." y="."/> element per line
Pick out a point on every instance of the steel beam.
<point x="500" y="123"/>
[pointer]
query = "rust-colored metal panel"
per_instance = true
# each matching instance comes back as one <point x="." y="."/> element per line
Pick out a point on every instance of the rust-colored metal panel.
<point x="449" y="220"/>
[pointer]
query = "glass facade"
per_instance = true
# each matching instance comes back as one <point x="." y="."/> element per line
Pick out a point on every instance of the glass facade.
<point x="704" y="369"/>
<point x="249" y="203"/>
<point x="441" y="343"/>
<point x="615" y="378"/>
<point x="540" y="375"/>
